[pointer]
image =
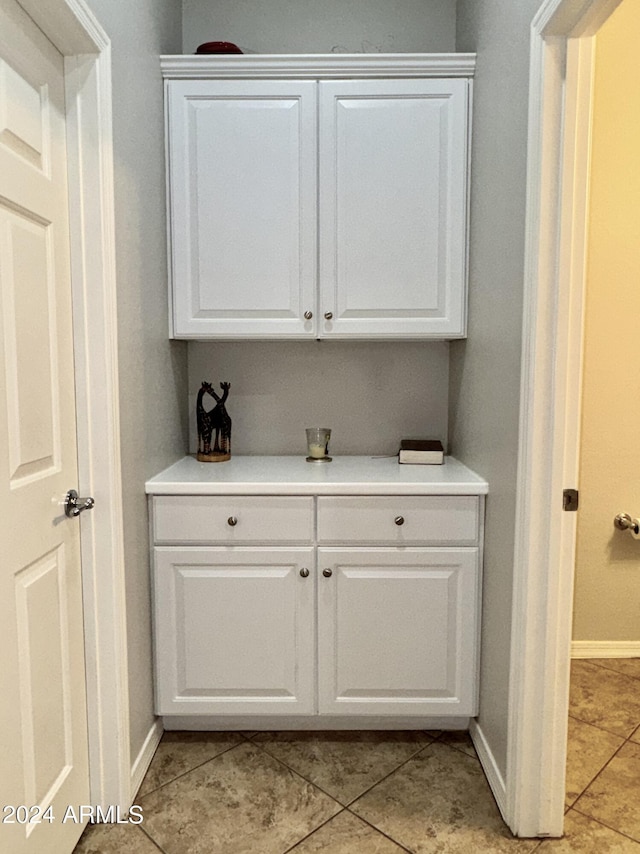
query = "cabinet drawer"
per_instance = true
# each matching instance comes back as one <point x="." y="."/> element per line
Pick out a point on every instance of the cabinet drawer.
<point x="232" y="520"/>
<point x="399" y="520"/>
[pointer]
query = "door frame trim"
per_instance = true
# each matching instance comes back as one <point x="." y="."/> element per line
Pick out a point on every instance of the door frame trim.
<point x="86" y="48"/>
<point x="560" y="95"/>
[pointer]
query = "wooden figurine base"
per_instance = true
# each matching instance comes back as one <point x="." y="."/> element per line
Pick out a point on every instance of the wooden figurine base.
<point x="212" y="458"/>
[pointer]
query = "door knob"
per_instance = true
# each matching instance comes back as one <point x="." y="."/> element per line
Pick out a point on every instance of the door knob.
<point x="624" y="522"/>
<point x="304" y="572"/>
<point x="308" y="315"/>
<point x="74" y="505"/>
<point x="327" y="573"/>
<point x="233" y="521"/>
<point x="328" y="315"/>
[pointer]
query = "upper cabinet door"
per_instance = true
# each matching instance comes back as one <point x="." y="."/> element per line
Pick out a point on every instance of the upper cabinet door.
<point x="242" y="183"/>
<point x="393" y="208"/>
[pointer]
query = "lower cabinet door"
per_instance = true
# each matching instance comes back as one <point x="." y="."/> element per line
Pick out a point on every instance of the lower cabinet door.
<point x="234" y="630"/>
<point x="397" y="631"/>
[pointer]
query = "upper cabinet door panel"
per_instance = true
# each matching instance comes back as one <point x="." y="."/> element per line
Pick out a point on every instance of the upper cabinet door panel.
<point x="242" y="179"/>
<point x="393" y="207"/>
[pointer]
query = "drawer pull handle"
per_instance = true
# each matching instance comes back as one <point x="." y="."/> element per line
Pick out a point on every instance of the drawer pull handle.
<point x="304" y="572"/>
<point x="399" y="520"/>
<point x="233" y="521"/>
<point x="327" y="573"/>
<point x="308" y="315"/>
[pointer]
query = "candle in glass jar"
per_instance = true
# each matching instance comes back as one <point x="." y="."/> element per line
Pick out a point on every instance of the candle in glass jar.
<point x="318" y="443"/>
<point x="317" y="451"/>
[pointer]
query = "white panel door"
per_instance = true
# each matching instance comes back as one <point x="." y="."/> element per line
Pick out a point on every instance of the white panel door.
<point x="242" y="180"/>
<point x="234" y="631"/>
<point x="397" y="631"/>
<point x="393" y="207"/>
<point x="42" y="702"/>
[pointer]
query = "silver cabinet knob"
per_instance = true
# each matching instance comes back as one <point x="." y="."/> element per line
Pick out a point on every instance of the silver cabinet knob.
<point x="328" y="315"/>
<point x="327" y="573"/>
<point x="399" y="520"/>
<point x="308" y="315"/>
<point x="304" y="572"/>
<point x="74" y="505"/>
<point x="232" y="520"/>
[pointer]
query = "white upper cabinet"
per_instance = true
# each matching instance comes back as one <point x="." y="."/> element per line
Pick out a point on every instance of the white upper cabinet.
<point x="393" y="208"/>
<point x="318" y="198"/>
<point x="242" y="217"/>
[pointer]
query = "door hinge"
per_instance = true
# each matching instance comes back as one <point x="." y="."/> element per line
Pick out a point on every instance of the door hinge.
<point x="570" y="499"/>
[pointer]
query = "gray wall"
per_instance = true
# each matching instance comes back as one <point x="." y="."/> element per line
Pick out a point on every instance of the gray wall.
<point x="153" y="374"/>
<point x="371" y="395"/>
<point x="485" y="369"/>
<point x="321" y="26"/>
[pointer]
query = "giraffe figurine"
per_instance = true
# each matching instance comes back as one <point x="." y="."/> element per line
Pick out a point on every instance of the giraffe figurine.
<point x="216" y="419"/>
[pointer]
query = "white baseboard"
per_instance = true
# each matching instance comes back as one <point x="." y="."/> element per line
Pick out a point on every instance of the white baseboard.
<point x="143" y="759"/>
<point x="605" y="649"/>
<point x="228" y="723"/>
<point x="489" y="766"/>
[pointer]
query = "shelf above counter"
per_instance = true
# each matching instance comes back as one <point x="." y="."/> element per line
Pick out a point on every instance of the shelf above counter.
<point x="293" y="475"/>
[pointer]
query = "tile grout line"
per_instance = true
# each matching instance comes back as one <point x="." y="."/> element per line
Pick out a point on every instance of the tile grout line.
<point x="473" y="755"/>
<point x="386" y="776"/>
<point x="473" y="758"/>
<point x="302" y="776"/>
<point x="600" y="770"/>
<point x="185" y="773"/>
<point x="359" y="818"/>
<point x="349" y="802"/>
<point x="624" y="676"/>
<point x="346" y="807"/>
<point x="377" y="829"/>
<point x="603" y="824"/>
<point x="311" y="832"/>
<point x="626" y="740"/>
<point x="309" y="783"/>
<point x="606" y="765"/>
<point x="602" y="729"/>
<point x="595" y="661"/>
<point x="249" y="740"/>
<point x="152" y="840"/>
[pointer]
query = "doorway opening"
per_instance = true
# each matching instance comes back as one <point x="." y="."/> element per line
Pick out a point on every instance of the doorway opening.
<point x="560" y="99"/>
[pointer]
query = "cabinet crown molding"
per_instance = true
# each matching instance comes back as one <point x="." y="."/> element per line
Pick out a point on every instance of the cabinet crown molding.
<point x="312" y="66"/>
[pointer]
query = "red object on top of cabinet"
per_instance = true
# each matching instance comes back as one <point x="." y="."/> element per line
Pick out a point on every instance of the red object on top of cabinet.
<point x="218" y="47"/>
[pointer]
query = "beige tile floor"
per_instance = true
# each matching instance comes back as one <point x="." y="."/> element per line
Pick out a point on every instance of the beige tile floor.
<point x="383" y="792"/>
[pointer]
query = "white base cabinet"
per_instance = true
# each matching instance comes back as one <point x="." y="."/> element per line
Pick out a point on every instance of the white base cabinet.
<point x="397" y="631"/>
<point x="311" y="606"/>
<point x="235" y="631"/>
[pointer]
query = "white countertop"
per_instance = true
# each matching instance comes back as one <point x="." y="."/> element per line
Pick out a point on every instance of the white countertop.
<point x="293" y="475"/>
